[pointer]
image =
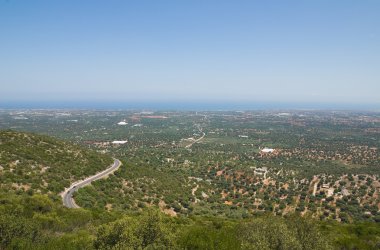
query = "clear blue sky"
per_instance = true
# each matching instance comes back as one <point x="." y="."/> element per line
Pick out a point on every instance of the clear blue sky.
<point x="199" y="50"/>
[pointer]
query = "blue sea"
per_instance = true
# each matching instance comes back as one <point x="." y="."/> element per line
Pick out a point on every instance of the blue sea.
<point x="187" y="106"/>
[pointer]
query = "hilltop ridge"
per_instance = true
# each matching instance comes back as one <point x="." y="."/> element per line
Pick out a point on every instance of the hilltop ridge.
<point x="42" y="164"/>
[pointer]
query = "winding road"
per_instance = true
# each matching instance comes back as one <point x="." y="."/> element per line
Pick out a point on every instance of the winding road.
<point x="67" y="195"/>
<point x="197" y="140"/>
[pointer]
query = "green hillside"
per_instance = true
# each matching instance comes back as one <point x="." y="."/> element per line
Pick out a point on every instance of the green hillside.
<point x="41" y="164"/>
<point x="35" y="168"/>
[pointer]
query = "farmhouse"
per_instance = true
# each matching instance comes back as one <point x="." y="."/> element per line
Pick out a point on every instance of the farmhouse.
<point x="119" y="142"/>
<point x="267" y="150"/>
<point x="261" y="171"/>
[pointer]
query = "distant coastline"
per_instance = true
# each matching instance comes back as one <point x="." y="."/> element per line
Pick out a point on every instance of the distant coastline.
<point x="187" y="106"/>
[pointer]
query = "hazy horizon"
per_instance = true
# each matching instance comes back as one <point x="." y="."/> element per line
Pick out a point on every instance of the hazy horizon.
<point x="302" y="53"/>
<point x="186" y="106"/>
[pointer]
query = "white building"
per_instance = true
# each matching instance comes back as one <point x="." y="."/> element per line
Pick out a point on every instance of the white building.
<point x="267" y="150"/>
<point x="119" y="142"/>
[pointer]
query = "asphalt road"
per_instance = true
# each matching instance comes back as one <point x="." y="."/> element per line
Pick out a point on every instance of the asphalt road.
<point x="67" y="195"/>
<point x="197" y="140"/>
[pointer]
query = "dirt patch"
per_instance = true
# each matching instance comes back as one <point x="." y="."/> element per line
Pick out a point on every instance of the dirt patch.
<point x="109" y="207"/>
<point x="219" y="173"/>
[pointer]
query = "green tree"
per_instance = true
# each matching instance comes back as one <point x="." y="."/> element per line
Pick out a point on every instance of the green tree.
<point x="267" y="233"/>
<point x="146" y="231"/>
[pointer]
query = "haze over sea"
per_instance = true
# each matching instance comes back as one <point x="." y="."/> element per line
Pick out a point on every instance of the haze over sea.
<point x="191" y="106"/>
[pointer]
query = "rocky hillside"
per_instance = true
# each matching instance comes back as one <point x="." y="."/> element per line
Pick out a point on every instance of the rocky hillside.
<point x="41" y="164"/>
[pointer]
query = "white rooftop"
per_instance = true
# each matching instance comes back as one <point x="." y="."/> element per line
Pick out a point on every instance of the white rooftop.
<point x="122" y="123"/>
<point x="267" y="150"/>
<point x="119" y="142"/>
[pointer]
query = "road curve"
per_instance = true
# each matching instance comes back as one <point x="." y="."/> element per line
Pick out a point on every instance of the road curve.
<point x="67" y="195"/>
<point x="197" y="140"/>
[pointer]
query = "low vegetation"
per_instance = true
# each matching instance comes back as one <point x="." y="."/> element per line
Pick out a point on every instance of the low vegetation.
<point x="317" y="189"/>
<point x="40" y="164"/>
<point x="37" y="222"/>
